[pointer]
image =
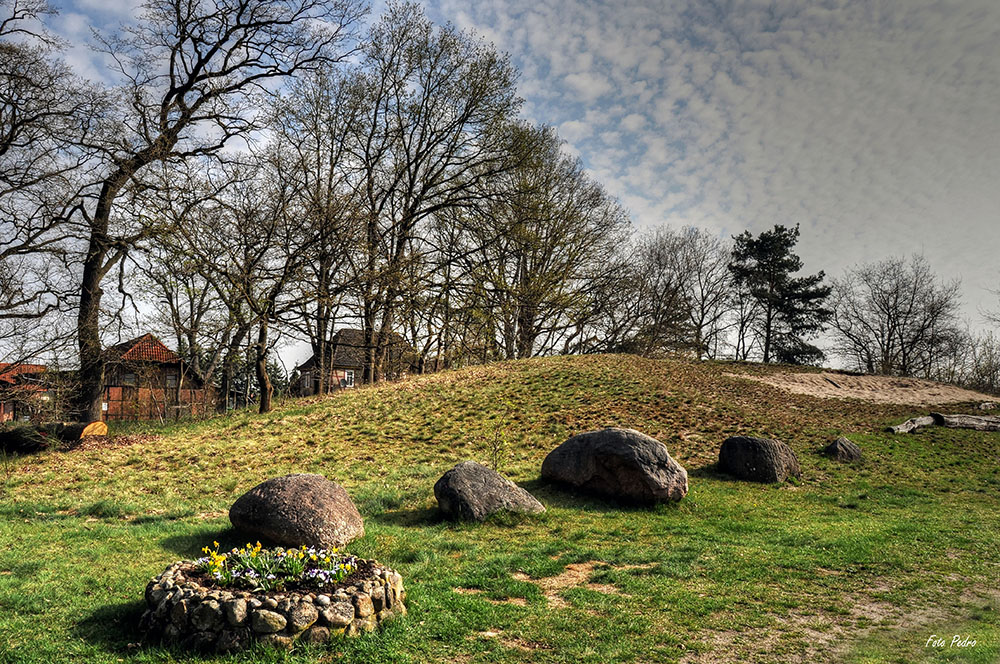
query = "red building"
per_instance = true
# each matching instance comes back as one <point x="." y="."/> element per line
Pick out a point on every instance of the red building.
<point x="22" y="390"/>
<point x="145" y="380"/>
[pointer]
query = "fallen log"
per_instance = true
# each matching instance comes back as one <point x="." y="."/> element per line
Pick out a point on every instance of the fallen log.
<point x="914" y="424"/>
<point x="24" y="440"/>
<point x="30" y="439"/>
<point x="975" y="422"/>
<point x="77" y="430"/>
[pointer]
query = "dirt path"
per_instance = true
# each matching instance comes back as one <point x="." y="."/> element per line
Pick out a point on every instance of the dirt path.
<point x="878" y="389"/>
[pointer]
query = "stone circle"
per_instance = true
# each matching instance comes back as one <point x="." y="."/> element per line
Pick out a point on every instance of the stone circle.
<point x="183" y="608"/>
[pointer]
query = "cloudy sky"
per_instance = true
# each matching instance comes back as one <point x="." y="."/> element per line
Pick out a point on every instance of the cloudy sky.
<point x="874" y="125"/>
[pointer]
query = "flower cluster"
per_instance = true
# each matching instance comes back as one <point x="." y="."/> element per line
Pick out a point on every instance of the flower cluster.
<point x="256" y="568"/>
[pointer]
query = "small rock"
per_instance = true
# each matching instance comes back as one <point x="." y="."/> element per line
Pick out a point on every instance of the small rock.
<point x="338" y="614"/>
<point x="364" y="625"/>
<point x="315" y="635"/>
<point x="378" y="598"/>
<point x="236" y="612"/>
<point x="363" y="606"/>
<point x="301" y="616"/>
<point x="278" y="641"/>
<point x="202" y="641"/>
<point x="268" y="622"/>
<point x="207" y="616"/>
<point x="232" y="641"/>
<point x="271" y="603"/>
<point x="843" y="449"/>
<point x="179" y="614"/>
<point x="323" y="600"/>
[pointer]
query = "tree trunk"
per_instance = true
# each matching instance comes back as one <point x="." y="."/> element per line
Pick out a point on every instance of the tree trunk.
<point x="228" y="367"/>
<point x="88" y="330"/>
<point x="264" y="386"/>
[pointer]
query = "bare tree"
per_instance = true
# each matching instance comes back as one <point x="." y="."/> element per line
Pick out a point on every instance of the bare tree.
<point x="171" y="276"/>
<point x="539" y="247"/>
<point x="432" y="105"/>
<point x="894" y="317"/>
<point x="706" y="284"/>
<point x="45" y="112"/>
<point x="190" y="71"/>
<point x="314" y="120"/>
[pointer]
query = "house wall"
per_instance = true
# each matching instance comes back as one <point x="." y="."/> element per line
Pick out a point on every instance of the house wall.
<point x="338" y="377"/>
<point x="154" y="394"/>
<point x="144" y="403"/>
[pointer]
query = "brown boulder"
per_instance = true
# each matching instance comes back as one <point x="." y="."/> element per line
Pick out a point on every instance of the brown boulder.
<point x="843" y="449"/>
<point x="298" y="509"/>
<point x="473" y="492"/>
<point x="619" y="463"/>
<point x="758" y="459"/>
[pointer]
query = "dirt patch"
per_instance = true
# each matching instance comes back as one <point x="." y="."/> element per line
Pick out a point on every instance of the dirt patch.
<point x="516" y="601"/>
<point x="576" y="575"/>
<point x="876" y="389"/>
<point x="827" y="637"/>
<point x="514" y="642"/>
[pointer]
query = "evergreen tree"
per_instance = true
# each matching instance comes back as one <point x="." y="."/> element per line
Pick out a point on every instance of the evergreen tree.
<point x="791" y="308"/>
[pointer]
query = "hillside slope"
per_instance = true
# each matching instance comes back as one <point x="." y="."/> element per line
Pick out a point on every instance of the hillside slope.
<point x="852" y="563"/>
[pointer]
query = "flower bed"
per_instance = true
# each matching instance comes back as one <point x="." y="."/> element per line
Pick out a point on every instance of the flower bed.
<point x="203" y="605"/>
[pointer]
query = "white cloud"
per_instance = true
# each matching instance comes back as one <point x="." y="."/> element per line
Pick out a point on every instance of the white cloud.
<point x="874" y="125"/>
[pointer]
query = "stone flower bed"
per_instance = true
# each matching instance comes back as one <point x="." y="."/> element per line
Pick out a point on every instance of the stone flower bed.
<point x="186" y="608"/>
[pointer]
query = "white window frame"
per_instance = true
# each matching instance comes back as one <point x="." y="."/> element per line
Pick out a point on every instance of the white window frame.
<point x="349" y="378"/>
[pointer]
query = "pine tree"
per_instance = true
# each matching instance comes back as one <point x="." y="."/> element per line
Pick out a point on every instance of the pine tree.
<point x="791" y="308"/>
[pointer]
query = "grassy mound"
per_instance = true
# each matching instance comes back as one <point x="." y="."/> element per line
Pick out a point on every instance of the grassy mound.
<point x="852" y="563"/>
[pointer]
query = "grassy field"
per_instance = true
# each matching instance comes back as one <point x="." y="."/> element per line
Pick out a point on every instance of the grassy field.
<point x="854" y="563"/>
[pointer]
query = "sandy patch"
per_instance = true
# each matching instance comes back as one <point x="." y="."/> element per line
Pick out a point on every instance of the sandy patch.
<point x="576" y="574"/>
<point x="877" y="389"/>
<point x="517" y="601"/>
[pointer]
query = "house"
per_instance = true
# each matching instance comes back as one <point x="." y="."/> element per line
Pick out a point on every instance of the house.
<point x="143" y="379"/>
<point x="22" y="390"/>
<point x="346" y="363"/>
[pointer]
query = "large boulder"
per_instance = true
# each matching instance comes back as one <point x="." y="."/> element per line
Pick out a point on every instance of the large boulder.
<point x="619" y="463"/>
<point x="298" y="509"/>
<point x="472" y="492"/>
<point x="758" y="459"/>
<point x="843" y="449"/>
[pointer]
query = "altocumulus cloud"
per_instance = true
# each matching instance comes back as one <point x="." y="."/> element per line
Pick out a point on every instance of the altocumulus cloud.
<point x="875" y="125"/>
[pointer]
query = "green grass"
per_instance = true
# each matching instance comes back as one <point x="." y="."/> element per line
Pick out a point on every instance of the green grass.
<point x="854" y="563"/>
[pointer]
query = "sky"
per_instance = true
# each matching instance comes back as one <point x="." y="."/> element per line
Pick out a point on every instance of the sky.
<point x="875" y="126"/>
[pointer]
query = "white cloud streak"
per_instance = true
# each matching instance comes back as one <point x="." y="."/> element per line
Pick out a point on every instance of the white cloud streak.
<point x="875" y="125"/>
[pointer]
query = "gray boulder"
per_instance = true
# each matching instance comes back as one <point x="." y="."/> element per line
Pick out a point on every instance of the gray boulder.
<point x="758" y="459"/>
<point x="619" y="463"/>
<point x="843" y="449"/>
<point x="298" y="509"/>
<point x="472" y="492"/>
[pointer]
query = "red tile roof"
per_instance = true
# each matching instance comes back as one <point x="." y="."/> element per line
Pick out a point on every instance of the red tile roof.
<point x="8" y="371"/>
<point x="146" y="348"/>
